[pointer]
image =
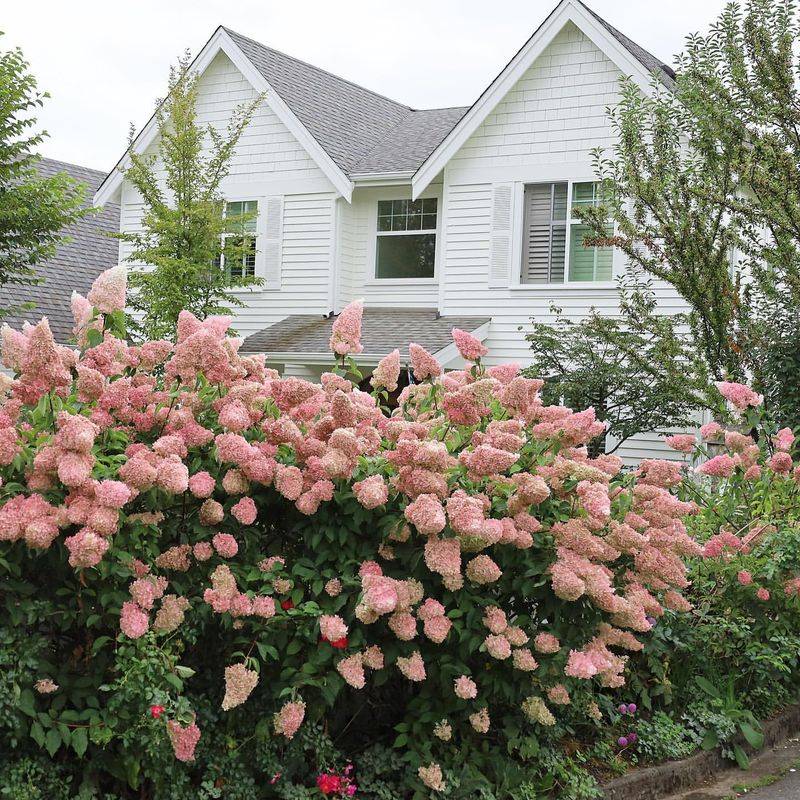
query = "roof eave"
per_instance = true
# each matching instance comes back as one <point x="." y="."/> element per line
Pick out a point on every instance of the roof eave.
<point x="382" y="178"/>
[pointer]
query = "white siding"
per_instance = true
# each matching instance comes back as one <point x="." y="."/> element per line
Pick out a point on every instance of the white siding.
<point x="543" y="130"/>
<point x="268" y="161"/>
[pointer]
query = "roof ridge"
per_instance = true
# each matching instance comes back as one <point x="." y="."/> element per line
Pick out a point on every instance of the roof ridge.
<point x="317" y="68"/>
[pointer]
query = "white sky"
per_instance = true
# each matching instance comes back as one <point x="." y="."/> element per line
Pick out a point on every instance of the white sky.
<point x="104" y="62"/>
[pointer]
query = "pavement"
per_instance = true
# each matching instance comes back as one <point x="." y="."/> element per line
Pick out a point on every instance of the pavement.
<point x="774" y="774"/>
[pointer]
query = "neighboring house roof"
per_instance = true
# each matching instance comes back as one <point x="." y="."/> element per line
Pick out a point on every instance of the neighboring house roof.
<point x="382" y="330"/>
<point x="76" y="263"/>
<point x="357" y="131"/>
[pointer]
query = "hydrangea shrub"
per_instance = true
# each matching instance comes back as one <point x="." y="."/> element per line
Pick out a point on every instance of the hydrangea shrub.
<point x="199" y="545"/>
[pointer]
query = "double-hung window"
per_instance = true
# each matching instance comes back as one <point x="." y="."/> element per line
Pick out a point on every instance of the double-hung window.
<point x="552" y="243"/>
<point x="238" y="254"/>
<point x="406" y="238"/>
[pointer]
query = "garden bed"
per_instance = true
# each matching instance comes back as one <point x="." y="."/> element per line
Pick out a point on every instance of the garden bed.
<point x="654" y="783"/>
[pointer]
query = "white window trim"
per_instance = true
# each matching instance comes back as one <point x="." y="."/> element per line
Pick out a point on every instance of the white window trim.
<point x="371" y="267"/>
<point x="617" y="258"/>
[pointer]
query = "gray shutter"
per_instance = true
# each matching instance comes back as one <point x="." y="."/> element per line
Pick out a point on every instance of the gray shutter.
<point x="273" y="240"/>
<point x="500" y="236"/>
<point x="544" y="233"/>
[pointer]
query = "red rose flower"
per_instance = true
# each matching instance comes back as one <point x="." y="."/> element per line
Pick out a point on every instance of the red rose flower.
<point x="329" y="784"/>
<point x="340" y="644"/>
<point x="156" y="711"/>
<point x="286" y="604"/>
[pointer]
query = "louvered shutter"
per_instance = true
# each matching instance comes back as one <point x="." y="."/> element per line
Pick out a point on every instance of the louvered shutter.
<point x="272" y="244"/>
<point x="500" y="236"/>
<point x="544" y="233"/>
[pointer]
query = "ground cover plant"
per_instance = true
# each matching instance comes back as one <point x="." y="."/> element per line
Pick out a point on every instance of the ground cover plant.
<point x="222" y="583"/>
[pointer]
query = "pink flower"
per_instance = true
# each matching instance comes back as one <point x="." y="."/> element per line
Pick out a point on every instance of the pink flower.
<point x="471" y="349"/>
<point x="412" y="667"/>
<point x="346" y="333"/>
<point x="386" y="374"/>
<point x="437" y="628"/>
<point x="184" y="739"/>
<point x="780" y="462"/>
<point x="739" y="395"/>
<point x="352" y="670"/>
<point x="482" y="570"/>
<point x="86" y="548"/>
<point x="426" y="514"/>
<point x="465" y="688"/>
<point x="524" y="660"/>
<point x="721" y="466"/>
<point x="497" y="647"/>
<point x="225" y="545"/>
<point x="108" y="290"/>
<point x="371" y="492"/>
<point x="332" y="627"/>
<point x="423" y="364"/>
<point x="763" y="594"/>
<point x="289" y="719"/>
<point x="201" y="485"/>
<point x="683" y="442"/>
<point x="480" y="720"/>
<point x="744" y="577"/>
<point x="784" y="439"/>
<point x="239" y="684"/>
<point x="245" y="511"/>
<point x="202" y="551"/>
<point x="546" y="643"/>
<point x="711" y="430"/>
<point x="431" y="776"/>
<point x="133" y="622"/>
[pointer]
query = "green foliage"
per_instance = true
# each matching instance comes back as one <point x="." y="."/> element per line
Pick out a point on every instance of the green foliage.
<point x="184" y="224"/>
<point x="661" y="738"/>
<point x="703" y="169"/>
<point x="637" y="371"/>
<point x="33" y="209"/>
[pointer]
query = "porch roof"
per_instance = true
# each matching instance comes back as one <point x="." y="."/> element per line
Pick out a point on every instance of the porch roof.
<point x="305" y="336"/>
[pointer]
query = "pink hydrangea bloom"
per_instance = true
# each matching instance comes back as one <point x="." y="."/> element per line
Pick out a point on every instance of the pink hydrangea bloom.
<point x="465" y="688"/>
<point x="202" y="551"/>
<point x="245" y="511"/>
<point x="546" y="643"/>
<point x="239" y="685"/>
<point x="780" y="462"/>
<point x="412" y="667"/>
<point x="133" y="622"/>
<point x="763" y="594"/>
<point x="471" y="349"/>
<point x="289" y="719"/>
<point x="721" y="466"/>
<point x="225" y="545"/>
<point x="346" y="333"/>
<point x="482" y="570"/>
<point x="744" y="577"/>
<point x="386" y="374"/>
<point x="423" y="364"/>
<point x="108" y="290"/>
<point x="332" y="627"/>
<point x="739" y="395"/>
<point x="480" y="720"/>
<point x="184" y="739"/>
<point x="682" y="442"/>
<point x="371" y="492"/>
<point x="498" y="647"/>
<point x="201" y="485"/>
<point x="352" y="670"/>
<point x="431" y="775"/>
<point x="784" y="439"/>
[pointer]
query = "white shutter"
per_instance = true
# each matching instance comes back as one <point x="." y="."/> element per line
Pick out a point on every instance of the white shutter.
<point x="272" y="243"/>
<point x="500" y="236"/>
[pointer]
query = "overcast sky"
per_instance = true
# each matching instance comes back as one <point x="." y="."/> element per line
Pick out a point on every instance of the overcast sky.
<point x="105" y="62"/>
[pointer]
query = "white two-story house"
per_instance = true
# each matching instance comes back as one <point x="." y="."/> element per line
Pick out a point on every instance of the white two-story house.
<point x="437" y="217"/>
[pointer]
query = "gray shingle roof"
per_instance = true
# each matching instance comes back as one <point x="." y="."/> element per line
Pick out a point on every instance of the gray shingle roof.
<point x="365" y="132"/>
<point x="382" y="330"/>
<point x="644" y="57"/>
<point x="411" y="141"/>
<point x="76" y="263"/>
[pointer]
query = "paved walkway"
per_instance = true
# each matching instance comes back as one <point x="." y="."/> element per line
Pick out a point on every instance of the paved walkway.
<point x="773" y="775"/>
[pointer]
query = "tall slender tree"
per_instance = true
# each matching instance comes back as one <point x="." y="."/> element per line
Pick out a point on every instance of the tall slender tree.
<point x="184" y="225"/>
<point x="34" y="209"/>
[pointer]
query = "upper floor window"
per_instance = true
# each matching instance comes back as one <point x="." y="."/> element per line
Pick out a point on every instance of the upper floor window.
<point x="406" y="238"/>
<point x="239" y="243"/>
<point x="552" y="244"/>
